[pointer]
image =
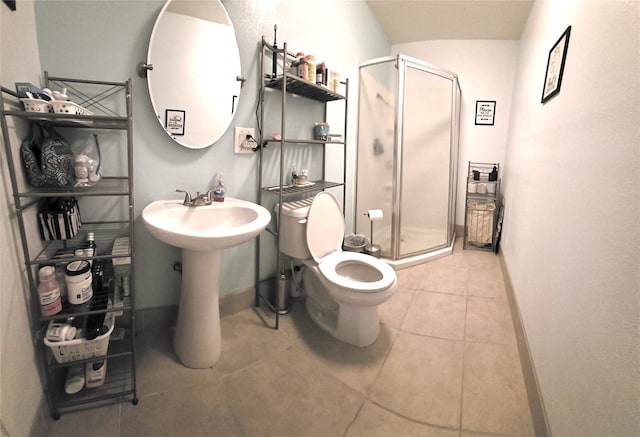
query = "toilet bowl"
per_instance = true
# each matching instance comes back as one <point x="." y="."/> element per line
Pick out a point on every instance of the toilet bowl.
<point x="343" y="289"/>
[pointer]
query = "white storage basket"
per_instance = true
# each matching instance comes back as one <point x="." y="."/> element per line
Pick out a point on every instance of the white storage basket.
<point x="64" y="107"/>
<point x="36" y="105"/>
<point x="480" y="222"/>
<point x="80" y="348"/>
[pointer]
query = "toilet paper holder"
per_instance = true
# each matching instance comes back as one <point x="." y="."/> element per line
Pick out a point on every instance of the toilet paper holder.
<point x="373" y="249"/>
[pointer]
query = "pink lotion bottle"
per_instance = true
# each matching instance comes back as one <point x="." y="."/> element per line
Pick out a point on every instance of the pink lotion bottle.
<point x="49" y="292"/>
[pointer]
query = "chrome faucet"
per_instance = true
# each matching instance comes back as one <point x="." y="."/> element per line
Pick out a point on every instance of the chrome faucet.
<point x="199" y="200"/>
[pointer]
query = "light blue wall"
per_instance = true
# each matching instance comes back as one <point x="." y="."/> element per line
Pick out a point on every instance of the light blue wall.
<point x="105" y="40"/>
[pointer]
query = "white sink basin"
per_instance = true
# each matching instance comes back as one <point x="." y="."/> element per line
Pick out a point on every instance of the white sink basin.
<point x="202" y="228"/>
<point x="202" y="232"/>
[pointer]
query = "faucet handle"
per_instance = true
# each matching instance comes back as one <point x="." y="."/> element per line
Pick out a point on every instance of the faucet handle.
<point x="187" y="196"/>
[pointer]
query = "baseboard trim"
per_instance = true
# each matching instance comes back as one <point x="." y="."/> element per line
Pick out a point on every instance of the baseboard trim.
<point x="534" y="394"/>
<point x="164" y="317"/>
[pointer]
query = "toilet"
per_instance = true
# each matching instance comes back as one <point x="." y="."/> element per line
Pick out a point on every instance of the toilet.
<point x="343" y="289"/>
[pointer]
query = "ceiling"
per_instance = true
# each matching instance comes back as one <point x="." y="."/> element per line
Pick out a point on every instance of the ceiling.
<point x="422" y="20"/>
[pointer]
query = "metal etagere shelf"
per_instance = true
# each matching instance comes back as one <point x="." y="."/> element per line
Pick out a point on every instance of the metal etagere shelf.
<point x="112" y="115"/>
<point x="289" y="84"/>
<point x="482" y="206"/>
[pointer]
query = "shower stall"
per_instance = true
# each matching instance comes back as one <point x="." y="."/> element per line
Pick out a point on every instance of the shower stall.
<point x="407" y="158"/>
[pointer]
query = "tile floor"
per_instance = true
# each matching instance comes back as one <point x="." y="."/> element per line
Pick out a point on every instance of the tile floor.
<point x="445" y="364"/>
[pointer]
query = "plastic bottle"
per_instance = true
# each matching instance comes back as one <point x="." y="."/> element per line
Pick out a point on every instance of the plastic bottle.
<point x="57" y="95"/>
<point x="60" y="332"/>
<point x="321" y="74"/>
<point x="493" y="176"/>
<point x="335" y="81"/>
<point x="311" y="61"/>
<point x="293" y="67"/>
<point x="95" y="373"/>
<point x="303" y="66"/>
<point x="90" y="246"/>
<point x="219" y="190"/>
<point x="49" y="292"/>
<point x="75" y="379"/>
<point x="95" y="321"/>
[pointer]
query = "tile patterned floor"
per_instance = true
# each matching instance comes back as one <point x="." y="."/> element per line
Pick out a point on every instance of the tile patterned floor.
<point x="445" y="364"/>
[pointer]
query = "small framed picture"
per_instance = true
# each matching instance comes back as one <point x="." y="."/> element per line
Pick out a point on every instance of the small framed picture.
<point x="555" y="66"/>
<point x="174" y="121"/>
<point x="485" y="112"/>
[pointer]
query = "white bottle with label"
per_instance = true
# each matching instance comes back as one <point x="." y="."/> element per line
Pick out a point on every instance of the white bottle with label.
<point x="95" y="373"/>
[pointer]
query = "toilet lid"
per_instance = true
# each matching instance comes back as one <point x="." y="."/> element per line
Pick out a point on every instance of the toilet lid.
<point x="325" y="226"/>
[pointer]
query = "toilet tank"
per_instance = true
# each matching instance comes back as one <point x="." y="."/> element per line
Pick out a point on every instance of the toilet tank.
<point x="293" y="228"/>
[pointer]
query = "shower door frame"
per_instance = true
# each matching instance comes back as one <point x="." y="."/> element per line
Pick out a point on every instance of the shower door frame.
<point x="401" y="64"/>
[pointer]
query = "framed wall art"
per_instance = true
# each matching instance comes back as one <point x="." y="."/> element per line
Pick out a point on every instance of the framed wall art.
<point x="174" y="121"/>
<point x="555" y="66"/>
<point x="485" y="112"/>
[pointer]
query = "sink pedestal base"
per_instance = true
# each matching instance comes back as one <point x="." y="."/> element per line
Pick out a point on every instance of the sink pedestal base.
<point x="197" y="340"/>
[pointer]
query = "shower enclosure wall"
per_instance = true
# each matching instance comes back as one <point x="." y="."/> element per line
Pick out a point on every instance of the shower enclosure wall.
<point x="408" y="121"/>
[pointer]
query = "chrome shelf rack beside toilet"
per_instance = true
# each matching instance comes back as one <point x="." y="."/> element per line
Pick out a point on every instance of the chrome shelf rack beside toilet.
<point x="283" y="84"/>
<point x="110" y="104"/>
<point x="483" y="203"/>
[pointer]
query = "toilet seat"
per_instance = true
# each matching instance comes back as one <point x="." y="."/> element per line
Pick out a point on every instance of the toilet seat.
<point x="333" y="263"/>
<point x="325" y="230"/>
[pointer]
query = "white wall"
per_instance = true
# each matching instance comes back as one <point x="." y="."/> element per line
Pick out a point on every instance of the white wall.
<point x="106" y="41"/>
<point x="20" y="387"/>
<point x="571" y="230"/>
<point x="486" y="71"/>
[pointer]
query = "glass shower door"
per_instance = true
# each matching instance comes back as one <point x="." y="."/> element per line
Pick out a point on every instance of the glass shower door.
<point x="408" y="121"/>
<point x="424" y="162"/>
<point x="376" y="151"/>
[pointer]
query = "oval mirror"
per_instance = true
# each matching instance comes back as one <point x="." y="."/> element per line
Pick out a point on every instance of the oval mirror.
<point x="193" y="71"/>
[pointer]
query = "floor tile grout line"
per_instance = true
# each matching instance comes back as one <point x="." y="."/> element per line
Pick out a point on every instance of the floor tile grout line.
<point x="410" y="419"/>
<point x="464" y="351"/>
<point x="355" y="417"/>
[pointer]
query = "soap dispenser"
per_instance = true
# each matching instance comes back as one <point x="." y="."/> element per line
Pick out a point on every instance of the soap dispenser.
<point x="219" y="189"/>
<point x="493" y="176"/>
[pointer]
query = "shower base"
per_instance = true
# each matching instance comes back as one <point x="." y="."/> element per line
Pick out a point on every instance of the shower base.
<point x="420" y="258"/>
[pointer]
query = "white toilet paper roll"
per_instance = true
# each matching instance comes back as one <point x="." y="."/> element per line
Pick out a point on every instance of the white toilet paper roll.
<point x="375" y="214"/>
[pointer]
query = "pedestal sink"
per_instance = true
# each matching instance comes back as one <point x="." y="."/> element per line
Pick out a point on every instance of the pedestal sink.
<point x="202" y="232"/>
